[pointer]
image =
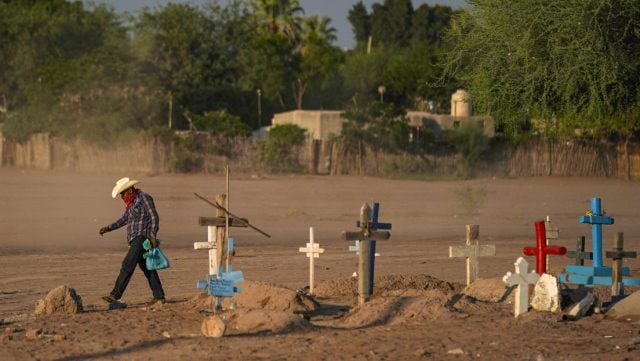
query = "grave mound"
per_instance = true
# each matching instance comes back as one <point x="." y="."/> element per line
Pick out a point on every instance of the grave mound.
<point x="489" y="290"/>
<point x="349" y="286"/>
<point x="260" y="295"/>
<point x="627" y="309"/>
<point x="256" y="321"/>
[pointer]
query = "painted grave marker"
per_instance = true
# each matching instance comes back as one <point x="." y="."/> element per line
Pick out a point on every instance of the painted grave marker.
<point x="368" y="235"/>
<point x="313" y="251"/>
<point x="597" y="273"/>
<point x="521" y="279"/>
<point x="596" y="219"/>
<point x="579" y="254"/>
<point x="617" y="255"/>
<point x="472" y="251"/>
<point x="542" y="250"/>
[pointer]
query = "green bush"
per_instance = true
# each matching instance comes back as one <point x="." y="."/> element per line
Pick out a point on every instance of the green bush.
<point x="221" y="123"/>
<point x="278" y="153"/>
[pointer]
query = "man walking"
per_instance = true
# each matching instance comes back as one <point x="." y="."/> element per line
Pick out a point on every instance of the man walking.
<point x="142" y="222"/>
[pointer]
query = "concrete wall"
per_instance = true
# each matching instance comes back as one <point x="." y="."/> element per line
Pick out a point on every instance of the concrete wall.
<point x="320" y="124"/>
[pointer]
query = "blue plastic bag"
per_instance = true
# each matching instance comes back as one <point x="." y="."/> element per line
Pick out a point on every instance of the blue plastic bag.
<point x="154" y="257"/>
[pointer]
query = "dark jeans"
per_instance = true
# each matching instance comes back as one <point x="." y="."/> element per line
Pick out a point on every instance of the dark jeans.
<point x="133" y="258"/>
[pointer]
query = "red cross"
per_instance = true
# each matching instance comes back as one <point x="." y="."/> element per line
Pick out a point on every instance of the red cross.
<point x="542" y="250"/>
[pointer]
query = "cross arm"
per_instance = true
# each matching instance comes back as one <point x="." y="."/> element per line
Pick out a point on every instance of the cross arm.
<point x="620" y="254"/>
<point x="361" y="235"/>
<point x="596" y="219"/>
<point x="221" y="221"/>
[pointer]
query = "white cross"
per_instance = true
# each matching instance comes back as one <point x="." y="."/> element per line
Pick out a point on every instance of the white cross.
<point x="522" y="279"/>
<point x="211" y="246"/>
<point x="472" y="251"/>
<point x="313" y="251"/>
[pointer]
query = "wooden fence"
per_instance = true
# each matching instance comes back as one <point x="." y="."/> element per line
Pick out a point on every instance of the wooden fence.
<point x="534" y="158"/>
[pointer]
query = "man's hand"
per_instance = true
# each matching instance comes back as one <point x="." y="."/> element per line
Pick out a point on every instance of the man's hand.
<point x="103" y="230"/>
<point x="154" y="242"/>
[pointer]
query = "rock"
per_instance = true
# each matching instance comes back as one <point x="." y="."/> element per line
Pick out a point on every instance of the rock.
<point x="456" y="351"/>
<point x="59" y="337"/>
<point x="9" y="330"/>
<point x="580" y="309"/>
<point x="33" y="333"/>
<point x="546" y="294"/>
<point x="421" y="353"/>
<point x="626" y="309"/>
<point x="61" y="300"/>
<point x="213" y="326"/>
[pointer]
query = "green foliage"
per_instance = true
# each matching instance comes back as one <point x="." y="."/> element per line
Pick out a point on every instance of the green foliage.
<point x="220" y="123"/>
<point x="381" y="126"/>
<point x="278" y="153"/>
<point x="577" y="61"/>
<point x="287" y="135"/>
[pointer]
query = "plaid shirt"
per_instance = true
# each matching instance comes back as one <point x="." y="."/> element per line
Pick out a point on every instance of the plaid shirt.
<point x="142" y="218"/>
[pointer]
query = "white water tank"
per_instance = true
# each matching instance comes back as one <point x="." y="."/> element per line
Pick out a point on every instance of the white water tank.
<point x="460" y="104"/>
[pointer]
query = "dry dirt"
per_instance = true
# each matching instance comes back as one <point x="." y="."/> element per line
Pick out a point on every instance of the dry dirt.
<point x="49" y="225"/>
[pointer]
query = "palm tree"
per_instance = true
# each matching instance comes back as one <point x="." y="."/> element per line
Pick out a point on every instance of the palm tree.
<point x="278" y="16"/>
<point x="314" y="29"/>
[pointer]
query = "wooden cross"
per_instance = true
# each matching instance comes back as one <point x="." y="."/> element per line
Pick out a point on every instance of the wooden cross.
<point x="579" y="254"/>
<point x="472" y="251"/>
<point x="542" y="250"/>
<point x="216" y="230"/>
<point x="313" y="251"/>
<point x="617" y="255"/>
<point x="596" y="218"/>
<point x="551" y="234"/>
<point x="211" y="246"/>
<point x="367" y="236"/>
<point x="522" y="280"/>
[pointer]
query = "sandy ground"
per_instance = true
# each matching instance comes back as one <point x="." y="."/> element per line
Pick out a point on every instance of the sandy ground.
<point x="49" y="225"/>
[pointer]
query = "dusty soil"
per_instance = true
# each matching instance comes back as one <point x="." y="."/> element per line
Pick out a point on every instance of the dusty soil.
<point x="49" y="225"/>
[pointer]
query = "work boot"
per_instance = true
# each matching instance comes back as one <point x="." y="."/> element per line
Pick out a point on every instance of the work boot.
<point x="113" y="303"/>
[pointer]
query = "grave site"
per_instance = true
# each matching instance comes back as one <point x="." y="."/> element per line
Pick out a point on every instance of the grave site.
<point x="324" y="268"/>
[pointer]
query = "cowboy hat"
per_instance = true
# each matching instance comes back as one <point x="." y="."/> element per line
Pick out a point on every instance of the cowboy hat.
<point x="122" y="185"/>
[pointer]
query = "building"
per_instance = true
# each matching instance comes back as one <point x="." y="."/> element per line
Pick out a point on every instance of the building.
<point x="320" y="124"/>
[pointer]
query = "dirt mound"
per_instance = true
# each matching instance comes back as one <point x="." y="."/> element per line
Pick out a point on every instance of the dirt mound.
<point x="489" y="290"/>
<point x="252" y="321"/>
<point x="260" y="295"/>
<point x="349" y="286"/>
<point x="391" y="309"/>
<point x="626" y="309"/>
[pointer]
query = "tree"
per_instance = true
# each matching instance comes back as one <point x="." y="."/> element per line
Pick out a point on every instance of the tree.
<point x="572" y="64"/>
<point x="360" y="22"/>
<point x="278" y="16"/>
<point x="318" y="58"/>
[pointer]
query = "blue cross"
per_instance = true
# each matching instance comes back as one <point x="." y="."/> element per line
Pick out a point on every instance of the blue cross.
<point x="596" y="219"/>
<point x="374" y="225"/>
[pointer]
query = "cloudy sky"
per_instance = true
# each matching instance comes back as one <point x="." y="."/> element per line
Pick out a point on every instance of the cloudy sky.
<point x="337" y="10"/>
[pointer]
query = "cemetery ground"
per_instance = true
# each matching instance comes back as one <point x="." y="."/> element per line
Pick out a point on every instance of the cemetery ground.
<point x="420" y="308"/>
